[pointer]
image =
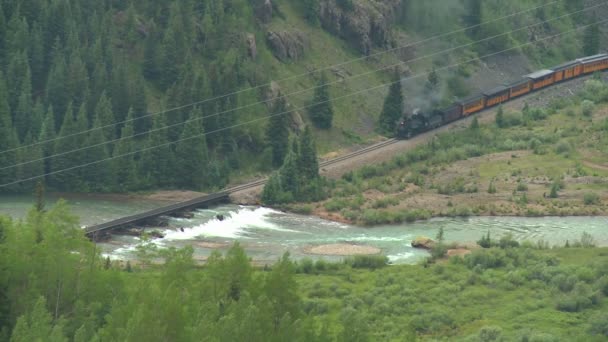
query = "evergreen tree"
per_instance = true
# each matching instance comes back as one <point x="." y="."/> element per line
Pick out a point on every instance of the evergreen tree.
<point x="143" y="122"/>
<point x="124" y="167"/>
<point x="311" y="10"/>
<point x="191" y="155"/>
<point x="308" y="163"/>
<point x="158" y="160"/>
<point x="277" y="132"/>
<point x="23" y="113"/>
<point x="392" y="110"/>
<point x="35" y="165"/>
<point x="475" y="124"/>
<point x="500" y="117"/>
<point x="47" y="133"/>
<point x="7" y="136"/>
<point x="432" y="83"/>
<point x="289" y="173"/>
<point x="272" y="190"/>
<point x="64" y="177"/>
<point x="56" y="87"/>
<point x="591" y="40"/>
<point x="104" y="112"/>
<point x="473" y="17"/>
<point x="321" y="112"/>
<point x="99" y="176"/>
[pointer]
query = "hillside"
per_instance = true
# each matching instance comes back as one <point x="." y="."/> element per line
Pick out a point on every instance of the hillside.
<point x="72" y="66"/>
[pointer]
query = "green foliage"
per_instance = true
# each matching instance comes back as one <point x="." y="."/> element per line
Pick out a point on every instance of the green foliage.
<point x="298" y="178"/>
<point x="591" y="198"/>
<point x="555" y="187"/>
<point x="587" y="107"/>
<point x="500" y="117"/>
<point x="277" y="132"/>
<point x="591" y="40"/>
<point x="492" y="188"/>
<point x="321" y="112"/>
<point x="371" y="262"/>
<point x="392" y="110"/>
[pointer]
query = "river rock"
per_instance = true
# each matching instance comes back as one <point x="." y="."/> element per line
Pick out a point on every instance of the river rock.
<point x="423" y="242"/>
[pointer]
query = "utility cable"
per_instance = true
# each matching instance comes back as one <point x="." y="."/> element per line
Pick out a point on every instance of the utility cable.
<point x="285" y="79"/>
<point x="299" y="108"/>
<point x="296" y="92"/>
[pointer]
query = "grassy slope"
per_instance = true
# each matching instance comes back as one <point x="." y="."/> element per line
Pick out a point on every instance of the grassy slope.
<point x="565" y="147"/>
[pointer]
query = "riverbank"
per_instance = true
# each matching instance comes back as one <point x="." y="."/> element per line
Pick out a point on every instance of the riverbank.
<point x="539" y="162"/>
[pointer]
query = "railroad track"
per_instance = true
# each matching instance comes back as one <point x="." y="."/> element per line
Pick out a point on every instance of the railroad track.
<point x="322" y="164"/>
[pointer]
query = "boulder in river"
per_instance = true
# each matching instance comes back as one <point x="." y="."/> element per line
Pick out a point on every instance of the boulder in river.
<point x="423" y="242"/>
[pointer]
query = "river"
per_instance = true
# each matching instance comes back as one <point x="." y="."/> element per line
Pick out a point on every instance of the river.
<point x="266" y="234"/>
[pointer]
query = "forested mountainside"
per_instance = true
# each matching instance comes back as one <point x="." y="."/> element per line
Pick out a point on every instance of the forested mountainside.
<point x="83" y="81"/>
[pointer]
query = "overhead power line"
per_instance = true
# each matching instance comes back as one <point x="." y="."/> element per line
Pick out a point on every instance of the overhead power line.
<point x="299" y="108"/>
<point x="284" y="79"/>
<point x="299" y="91"/>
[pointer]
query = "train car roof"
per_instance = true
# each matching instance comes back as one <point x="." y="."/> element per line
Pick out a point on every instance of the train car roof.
<point x="471" y="98"/>
<point x="592" y="59"/>
<point x="540" y="74"/>
<point x="497" y="90"/>
<point x="519" y="82"/>
<point x="565" y="65"/>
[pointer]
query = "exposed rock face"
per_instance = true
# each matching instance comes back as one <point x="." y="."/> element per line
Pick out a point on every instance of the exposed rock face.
<point x="252" y="48"/>
<point x="365" y="25"/>
<point x="423" y="242"/>
<point x="296" y="123"/>
<point x="263" y="11"/>
<point x="287" y="45"/>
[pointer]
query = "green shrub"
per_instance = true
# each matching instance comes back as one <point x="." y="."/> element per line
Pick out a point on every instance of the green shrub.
<point x="563" y="147"/>
<point x="522" y="187"/>
<point x="599" y="325"/>
<point x="591" y="198"/>
<point x="371" y="262"/>
<point x="587" y="107"/>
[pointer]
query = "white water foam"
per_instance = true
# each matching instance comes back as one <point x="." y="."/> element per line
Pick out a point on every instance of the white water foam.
<point x="400" y="257"/>
<point x="234" y="225"/>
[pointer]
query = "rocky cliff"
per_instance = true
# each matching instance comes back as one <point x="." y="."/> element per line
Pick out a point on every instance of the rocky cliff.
<point x="364" y="25"/>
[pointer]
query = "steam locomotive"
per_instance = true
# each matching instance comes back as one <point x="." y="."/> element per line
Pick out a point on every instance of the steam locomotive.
<point x="421" y="121"/>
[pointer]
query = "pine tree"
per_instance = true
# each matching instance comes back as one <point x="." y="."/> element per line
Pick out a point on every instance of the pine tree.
<point x="191" y="155"/>
<point x="591" y="40"/>
<point x="98" y="176"/>
<point x="475" y="124"/>
<point x="37" y="325"/>
<point x="7" y="137"/>
<point x="64" y="177"/>
<point x="23" y="112"/>
<point x="308" y="163"/>
<point x="124" y="166"/>
<point x="277" y="131"/>
<point x="432" y="83"/>
<point x="311" y="9"/>
<point x="321" y="112"/>
<point x="289" y="173"/>
<point x="473" y="17"/>
<point x="272" y="190"/>
<point x="104" y="112"/>
<point x="500" y="117"/>
<point x="34" y="166"/>
<point x="139" y="104"/>
<point x="158" y="160"/>
<point x="56" y="87"/>
<point x="47" y="133"/>
<point x="392" y="110"/>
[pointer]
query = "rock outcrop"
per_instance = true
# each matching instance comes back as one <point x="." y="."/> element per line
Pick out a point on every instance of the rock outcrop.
<point x="287" y="45"/>
<point x="423" y="242"/>
<point x="263" y="10"/>
<point x="365" y="25"/>
<point x="252" y="48"/>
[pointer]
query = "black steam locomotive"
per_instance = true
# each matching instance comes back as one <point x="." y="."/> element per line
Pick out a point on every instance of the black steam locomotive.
<point x="425" y="120"/>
